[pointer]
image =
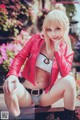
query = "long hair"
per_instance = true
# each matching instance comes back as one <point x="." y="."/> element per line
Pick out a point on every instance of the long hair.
<point x="56" y="17"/>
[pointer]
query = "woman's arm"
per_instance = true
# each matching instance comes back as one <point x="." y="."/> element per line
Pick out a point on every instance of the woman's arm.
<point x="64" y="61"/>
<point x="20" y="58"/>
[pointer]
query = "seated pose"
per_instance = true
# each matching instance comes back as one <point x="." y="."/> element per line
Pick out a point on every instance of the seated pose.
<point x="47" y="59"/>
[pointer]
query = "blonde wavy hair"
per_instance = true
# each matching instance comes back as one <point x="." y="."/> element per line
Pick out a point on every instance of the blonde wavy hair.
<point x="54" y="18"/>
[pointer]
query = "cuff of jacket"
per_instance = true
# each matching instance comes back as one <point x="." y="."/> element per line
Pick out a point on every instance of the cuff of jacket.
<point x="10" y="73"/>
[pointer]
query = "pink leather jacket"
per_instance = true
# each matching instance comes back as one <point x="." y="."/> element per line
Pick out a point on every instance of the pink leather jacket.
<point x="62" y="61"/>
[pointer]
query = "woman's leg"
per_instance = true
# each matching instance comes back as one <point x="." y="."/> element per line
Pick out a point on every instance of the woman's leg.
<point x="18" y="98"/>
<point x="63" y="88"/>
<point x="70" y="94"/>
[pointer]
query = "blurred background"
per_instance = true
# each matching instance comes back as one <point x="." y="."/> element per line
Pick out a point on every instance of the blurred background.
<point x="20" y="19"/>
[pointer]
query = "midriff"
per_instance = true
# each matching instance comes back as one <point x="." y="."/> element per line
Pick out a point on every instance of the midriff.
<point x="41" y="80"/>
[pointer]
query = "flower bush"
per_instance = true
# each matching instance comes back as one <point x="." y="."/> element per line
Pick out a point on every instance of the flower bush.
<point x="8" y="25"/>
<point x="14" y="15"/>
<point x="9" y="50"/>
<point x="7" y="53"/>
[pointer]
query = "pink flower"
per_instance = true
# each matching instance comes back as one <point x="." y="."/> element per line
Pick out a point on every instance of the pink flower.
<point x="17" y="48"/>
<point x="3" y="52"/>
<point x="9" y="46"/>
<point x="1" y="60"/>
<point x="3" y="8"/>
<point x="11" y="60"/>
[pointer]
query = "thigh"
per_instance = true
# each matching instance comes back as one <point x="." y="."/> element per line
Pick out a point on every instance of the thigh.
<point x="57" y="90"/>
<point x="55" y="93"/>
<point x="24" y="98"/>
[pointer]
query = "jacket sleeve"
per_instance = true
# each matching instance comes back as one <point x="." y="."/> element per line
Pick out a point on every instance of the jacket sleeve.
<point x="64" y="61"/>
<point x="20" y="58"/>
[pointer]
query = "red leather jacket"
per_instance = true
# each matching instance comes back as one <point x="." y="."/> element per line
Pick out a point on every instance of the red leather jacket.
<point x="62" y="61"/>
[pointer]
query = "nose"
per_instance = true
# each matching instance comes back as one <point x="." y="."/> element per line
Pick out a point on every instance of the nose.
<point x="53" y="33"/>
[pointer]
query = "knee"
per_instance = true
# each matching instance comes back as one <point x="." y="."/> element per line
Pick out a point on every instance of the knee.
<point x="69" y="82"/>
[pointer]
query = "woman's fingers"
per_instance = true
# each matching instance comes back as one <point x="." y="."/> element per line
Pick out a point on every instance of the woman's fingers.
<point x="16" y="84"/>
<point x="5" y="87"/>
<point x="9" y="87"/>
<point x="10" y="84"/>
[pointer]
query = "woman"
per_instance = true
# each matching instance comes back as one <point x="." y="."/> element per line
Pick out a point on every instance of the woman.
<point x="47" y="70"/>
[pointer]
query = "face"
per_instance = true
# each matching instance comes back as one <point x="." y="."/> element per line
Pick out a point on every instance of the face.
<point x="54" y="33"/>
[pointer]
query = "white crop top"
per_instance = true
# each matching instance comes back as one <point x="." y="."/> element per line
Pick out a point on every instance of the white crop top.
<point x="44" y="63"/>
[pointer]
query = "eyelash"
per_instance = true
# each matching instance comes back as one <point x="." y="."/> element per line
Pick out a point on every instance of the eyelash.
<point x="57" y="28"/>
<point x="51" y="29"/>
<point x="48" y="29"/>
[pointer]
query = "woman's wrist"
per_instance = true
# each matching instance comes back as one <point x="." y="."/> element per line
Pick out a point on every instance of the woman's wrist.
<point x="13" y="76"/>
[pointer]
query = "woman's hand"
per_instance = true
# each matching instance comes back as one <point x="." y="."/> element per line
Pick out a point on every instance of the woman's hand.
<point x="10" y="84"/>
<point x="56" y="44"/>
